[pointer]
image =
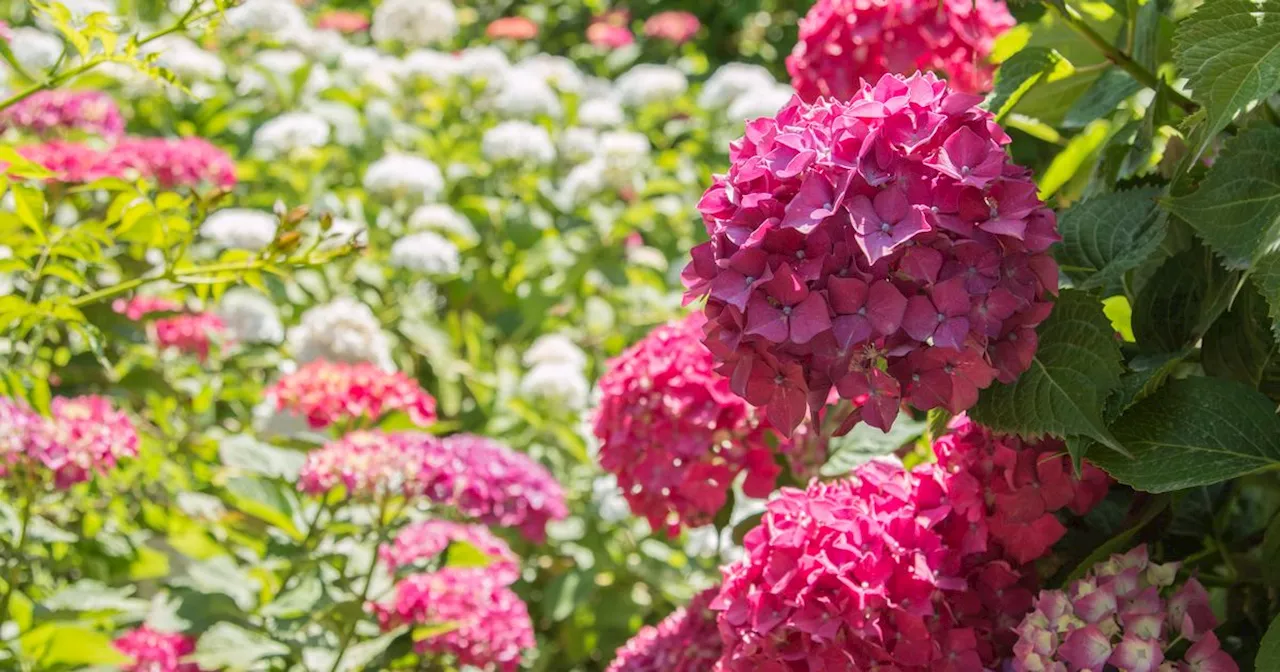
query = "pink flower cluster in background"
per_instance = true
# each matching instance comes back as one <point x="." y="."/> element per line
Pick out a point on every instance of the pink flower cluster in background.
<point x="81" y="437"/>
<point x="610" y="31"/>
<point x="170" y="162"/>
<point x="326" y="393"/>
<point x="884" y="247"/>
<point x="516" y="28"/>
<point x="45" y="112"/>
<point x="686" y="641"/>
<point x="428" y="539"/>
<point x="674" y="433"/>
<point x="488" y="626"/>
<point x="672" y="26"/>
<point x="154" y="651"/>
<point x="1124" y="614"/>
<point x="186" y="332"/>
<point x="843" y="42"/>
<point x="343" y="20"/>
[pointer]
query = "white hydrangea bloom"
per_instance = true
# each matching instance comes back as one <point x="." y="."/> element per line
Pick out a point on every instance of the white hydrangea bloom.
<point x="520" y="97"/>
<point x="732" y="80"/>
<point x="436" y="66"/>
<point x="343" y="231"/>
<point x="250" y="316"/>
<point x="578" y="144"/>
<point x="290" y="132"/>
<point x="597" y="87"/>
<point x="624" y="154"/>
<point x="584" y="181"/>
<point x="601" y="113"/>
<point x="80" y="10"/>
<point x="760" y="102"/>
<point x="559" y="384"/>
<point x="186" y="59"/>
<point x="556" y="71"/>
<point x="416" y="23"/>
<point x="240" y="228"/>
<point x="426" y="252"/>
<point x="647" y="84"/>
<point x="275" y="17"/>
<point x="343" y="330"/>
<point x="358" y="66"/>
<point x="343" y="119"/>
<point x="326" y="45"/>
<point x="282" y="62"/>
<point x="608" y="500"/>
<point x="34" y="48"/>
<point x="555" y="349"/>
<point x="441" y="218"/>
<point x="403" y="176"/>
<point x="482" y="63"/>
<point x="518" y="141"/>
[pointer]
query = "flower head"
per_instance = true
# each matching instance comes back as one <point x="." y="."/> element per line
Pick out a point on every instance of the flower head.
<point x="343" y="330"/>
<point x="519" y="142"/>
<point x="648" y="84"/>
<point x="605" y="35"/>
<point x="190" y="332"/>
<point x="952" y="39"/>
<point x="240" y="228"/>
<point x="290" y="132"/>
<point x="368" y="464"/>
<point x="490" y="624"/>
<point x="517" y="28"/>
<point x="334" y="392"/>
<point x="343" y="21"/>
<point x="250" y="317"/>
<point x="91" y="112"/>
<point x="425" y="252"/>
<point x="428" y="539"/>
<point x="673" y="26"/>
<point x="81" y="437"/>
<point x="685" y="641"/>
<point x="155" y="651"/>
<point x="177" y="162"/>
<point x="732" y="80"/>
<point x="883" y="247"/>
<point x="401" y="176"/>
<point x="415" y="23"/>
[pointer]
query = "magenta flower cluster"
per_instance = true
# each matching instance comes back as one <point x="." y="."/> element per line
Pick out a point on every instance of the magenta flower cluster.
<point x="327" y="393"/>
<point x="1123" y="615"/>
<point x="674" y="433"/>
<point x="884" y="247"/>
<point x="45" y="112"/>
<point x="843" y="42"/>
<point x="190" y="332"/>
<point x="427" y="540"/>
<point x="485" y="624"/>
<point x="686" y="641"/>
<point x="171" y="163"/>
<point x="82" y="436"/>
<point x="154" y="651"/>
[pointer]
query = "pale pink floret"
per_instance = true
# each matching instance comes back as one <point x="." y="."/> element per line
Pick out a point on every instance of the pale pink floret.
<point x="429" y="539"/>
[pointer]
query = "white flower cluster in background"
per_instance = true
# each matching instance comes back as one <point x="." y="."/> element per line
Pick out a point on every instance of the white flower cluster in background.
<point x="34" y="49"/>
<point x="426" y="252"/>
<point x="487" y="64"/>
<point x="443" y="219"/>
<point x="240" y="228"/>
<point x="608" y="500"/>
<point x="648" y="84"/>
<point x="414" y="23"/>
<point x="578" y="143"/>
<point x="623" y="156"/>
<point x="556" y="372"/>
<point x="601" y="113"/>
<point x="400" y="176"/>
<point x="250" y="316"/>
<point x="760" y="103"/>
<point x="343" y="330"/>
<point x="732" y="80"/>
<point x="343" y="119"/>
<point x="290" y="132"/>
<point x="273" y="17"/>
<point x="556" y="71"/>
<point x="518" y="141"/>
<point x="519" y="96"/>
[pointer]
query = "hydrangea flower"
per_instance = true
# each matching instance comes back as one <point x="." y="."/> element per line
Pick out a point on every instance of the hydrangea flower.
<point x="343" y="21"/>
<point x="428" y="539"/>
<point x="623" y="156"/>
<point x="673" y="26"/>
<point x="600" y="113"/>
<point x="34" y="49"/>
<point x="482" y="64"/>
<point x="343" y="330"/>
<point x="555" y="348"/>
<point x="491" y="626"/>
<point x="843" y="42"/>
<point x="81" y="437"/>
<point x="1124" y="614"/>
<point x="326" y="393"/>
<point x="425" y="252"/>
<point x="560" y="384"/>
<point x="414" y="23"/>
<point x="556" y="71"/>
<point x="398" y="176"/>
<point x="154" y="651"/>
<point x="488" y="482"/>
<point x="186" y="332"/>
<point x="674" y="432"/>
<point x="685" y="641"/>
<point x="273" y="17"/>
<point x="518" y="142"/>
<point x="240" y="228"/>
<point x="884" y="247"/>
<point x="92" y="112"/>
<point x="186" y="59"/>
<point x="516" y="28"/>
<point x="610" y="36"/>
<point x="578" y="143"/>
<point x="442" y="219"/>
<point x="250" y="317"/>
<point x="732" y="80"/>
<point x="177" y="162"/>
<point x="760" y="102"/>
<point x="369" y="464"/>
<point x="290" y="132"/>
<point x="516" y="95"/>
<point x="648" y="84"/>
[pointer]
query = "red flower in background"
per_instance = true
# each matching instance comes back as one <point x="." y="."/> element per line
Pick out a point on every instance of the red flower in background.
<point x="610" y="31"/>
<point x="516" y="28"/>
<point x="673" y="26"/>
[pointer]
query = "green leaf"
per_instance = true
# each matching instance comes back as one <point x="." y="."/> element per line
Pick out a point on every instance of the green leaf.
<point x="1079" y="151"/>
<point x="1194" y="431"/>
<point x="53" y="644"/>
<point x="361" y="655"/>
<point x="1169" y="308"/>
<point x="1269" y="651"/>
<point x="1270" y="550"/>
<point x="1229" y="51"/>
<point x="1240" y="346"/>
<point x="265" y="500"/>
<point x="1102" y="97"/>
<point x="231" y="647"/>
<point x="463" y="554"/>
<point x="864" y="443"/>
<point x="1020" y="73"/>
<point x="1122" y="541"/>
<point x="1107" y="235"/>
<point x="1236" y="210"/>
<point x="88" y="595"/>
<point x="298" y="601"/>
<point x="221" y="575"/>
<point x="1076" y="366"/>
<point x="251" y="455"/>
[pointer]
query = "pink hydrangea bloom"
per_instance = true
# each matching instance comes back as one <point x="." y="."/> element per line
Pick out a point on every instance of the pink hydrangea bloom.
<point x="673" y="26"/>
<point x="342" y="20"/>
<point x="178" y="162"/>
<point x="186" y="332"/>
<point x="92" y="112"/>
<point x="610" y="31"/>
<point x="518" y="28"/>
<point x="153" y="651"/>
<point x="884" y="247"/>
<point x="845" y="41"/>
<point x="428" y="539"/>
<point x="326" y="393"/>
<point x="72" y="162"/>
<point x="686" y="641"/>
<point x="493" y="484"/>
<point x="368" y="464"/>
<point x="674" y="433"/>
<point x="490" y="624"/>
<point x="82" y="436"/>
<point x="1124" y="614"/>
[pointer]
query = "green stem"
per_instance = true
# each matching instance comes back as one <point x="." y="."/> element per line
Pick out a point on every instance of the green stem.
<point x="312" y="526"/>
<point x="15" y="570"/>
<point x="349" y="634"/>
<point x="176" y="275"/>
<point x="1122" y="60"/>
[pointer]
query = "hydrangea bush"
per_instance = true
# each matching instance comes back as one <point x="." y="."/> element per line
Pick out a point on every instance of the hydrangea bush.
<point x="429" y="335"/>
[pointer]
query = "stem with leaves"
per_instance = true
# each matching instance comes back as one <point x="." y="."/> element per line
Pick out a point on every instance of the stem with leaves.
<point x="348" y="635"/>
<point x="15" y="562"/>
